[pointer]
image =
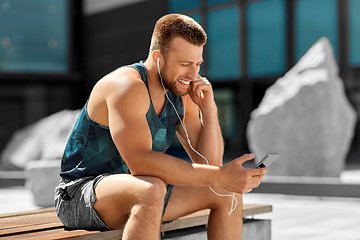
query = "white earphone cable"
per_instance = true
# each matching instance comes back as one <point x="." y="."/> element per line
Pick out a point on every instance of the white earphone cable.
<point x="234" y="200"/>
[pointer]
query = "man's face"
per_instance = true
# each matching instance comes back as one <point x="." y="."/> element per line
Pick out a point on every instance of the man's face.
<point x="182" y="66"/>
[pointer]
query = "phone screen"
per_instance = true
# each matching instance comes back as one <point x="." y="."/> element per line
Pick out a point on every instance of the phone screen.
<point x="267" y="160"/>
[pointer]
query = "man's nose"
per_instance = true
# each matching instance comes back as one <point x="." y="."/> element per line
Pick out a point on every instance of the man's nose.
<point x="194" y="72"/>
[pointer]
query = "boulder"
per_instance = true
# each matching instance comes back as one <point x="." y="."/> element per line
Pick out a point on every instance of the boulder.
<point x="306" y="117"/>
<point x="44" y="139"/>
<point x="38" y="149"/>
<point x="43" y="177"/>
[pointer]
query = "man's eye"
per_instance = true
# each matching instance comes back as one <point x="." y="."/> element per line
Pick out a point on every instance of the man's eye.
<point x="184" y="64"/>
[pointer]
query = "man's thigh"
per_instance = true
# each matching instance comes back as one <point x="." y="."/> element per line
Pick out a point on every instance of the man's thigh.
<point x="186" y="200"/>
<point x="117" y="194"/>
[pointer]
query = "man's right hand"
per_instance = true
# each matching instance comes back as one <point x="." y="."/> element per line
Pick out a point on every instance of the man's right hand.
<point x="235" y="178"/>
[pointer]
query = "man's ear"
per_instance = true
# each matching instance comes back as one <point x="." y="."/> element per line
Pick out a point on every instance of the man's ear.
<point x="155" y="55"/>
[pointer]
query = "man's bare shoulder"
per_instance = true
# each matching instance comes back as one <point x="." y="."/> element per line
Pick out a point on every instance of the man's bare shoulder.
<point x="121" y="89"/>
<point x="122" y="80"/>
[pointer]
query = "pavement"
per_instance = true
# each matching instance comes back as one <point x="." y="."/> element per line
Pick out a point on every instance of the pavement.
<point x="310" y="218"/>
<point x="16" y="199"/>
<point x="313" y="217"/>
<point x="293" y="217"/>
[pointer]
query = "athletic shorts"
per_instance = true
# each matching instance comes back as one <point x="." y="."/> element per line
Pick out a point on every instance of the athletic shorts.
<point x="74" y="201"/>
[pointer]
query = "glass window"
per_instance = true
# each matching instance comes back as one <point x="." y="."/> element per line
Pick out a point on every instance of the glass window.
<point x="183" y="5"/>
<point x="266" y="37"/>
<point x="214" y="2"/>
<point x="223" y="44"/>
<point x="224" y="99"/>
<point x="196" y="17"/>
<point x="313" y="20"/>
<point x="354" y="32"/>
<point x="33" y="36"/>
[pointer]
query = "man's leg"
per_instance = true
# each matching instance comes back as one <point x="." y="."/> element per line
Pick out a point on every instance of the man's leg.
<point x="134" y="204"/>
<point x="185" y="200"/>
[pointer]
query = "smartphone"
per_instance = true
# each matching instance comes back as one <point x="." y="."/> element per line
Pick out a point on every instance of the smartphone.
<point x="267" y="160"/>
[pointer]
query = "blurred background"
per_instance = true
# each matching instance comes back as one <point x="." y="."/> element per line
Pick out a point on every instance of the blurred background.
<point x="52" y="52"/>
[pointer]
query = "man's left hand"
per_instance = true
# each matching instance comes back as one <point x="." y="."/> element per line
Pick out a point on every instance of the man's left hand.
<point x="201" y="92"/>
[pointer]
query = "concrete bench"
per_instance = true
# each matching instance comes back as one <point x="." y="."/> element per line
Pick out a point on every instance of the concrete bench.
<point x="44" y="224"/>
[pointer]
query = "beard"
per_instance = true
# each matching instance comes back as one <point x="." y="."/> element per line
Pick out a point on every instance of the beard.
<point x="170" y="84"/>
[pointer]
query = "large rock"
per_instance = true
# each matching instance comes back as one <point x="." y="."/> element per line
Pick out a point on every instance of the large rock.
<point x="38" y="149"/>
<point x="306" y="117"/>
<point x="44" y="139"/>
<point x="43" y="177"/>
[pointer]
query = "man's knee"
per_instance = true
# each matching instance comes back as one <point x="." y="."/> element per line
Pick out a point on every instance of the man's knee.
<point x="119" y="196"/>
<point x="153" y="193"/>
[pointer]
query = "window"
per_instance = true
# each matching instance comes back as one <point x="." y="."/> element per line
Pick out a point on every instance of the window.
<point x="354" y="22"/>
<point x="313" y="20"/>
<point x="224" y="99"/>
<point x="33" y="36"/>
<point x="196" y="17"/>
<point x="223" y="44"/>
<point x="222" y="27"/>
<point x="214" y="2"/>
<point x="183" y="5"/>
<point x="266" y="37"/>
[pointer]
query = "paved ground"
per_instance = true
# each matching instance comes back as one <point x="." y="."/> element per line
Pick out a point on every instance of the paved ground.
<point x="16" y="199"/>
<point x="310" y="218"/>
<point x="313" y="218"/>
<point x="293" y="217"/>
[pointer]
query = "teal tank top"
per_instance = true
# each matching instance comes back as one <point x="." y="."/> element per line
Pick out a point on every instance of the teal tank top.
<point x="90" y="150"/>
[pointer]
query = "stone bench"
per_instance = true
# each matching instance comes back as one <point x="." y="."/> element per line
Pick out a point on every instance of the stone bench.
<point x="44" y="224"/>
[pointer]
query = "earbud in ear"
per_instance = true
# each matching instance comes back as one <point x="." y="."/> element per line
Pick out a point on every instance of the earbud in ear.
<point x="158" y="60"/>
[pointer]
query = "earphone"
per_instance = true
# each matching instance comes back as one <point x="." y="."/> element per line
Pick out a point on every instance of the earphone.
<point x="233" y="207"/>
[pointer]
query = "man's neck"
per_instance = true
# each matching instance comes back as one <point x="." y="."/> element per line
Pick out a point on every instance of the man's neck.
<point x="156" y="89"/>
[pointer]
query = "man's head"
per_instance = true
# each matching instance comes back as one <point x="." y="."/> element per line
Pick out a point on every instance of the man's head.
<point x="176" y="51"/>
<point x="176" y="25"/>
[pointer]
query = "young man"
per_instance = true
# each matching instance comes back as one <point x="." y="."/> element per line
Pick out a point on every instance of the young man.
<point x="115" y="174"/>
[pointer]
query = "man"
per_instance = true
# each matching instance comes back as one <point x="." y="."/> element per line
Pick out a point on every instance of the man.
<point x="114" y="172"/>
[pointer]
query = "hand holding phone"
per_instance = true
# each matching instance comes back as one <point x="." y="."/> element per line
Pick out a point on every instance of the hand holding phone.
<point x="267" y="160"/>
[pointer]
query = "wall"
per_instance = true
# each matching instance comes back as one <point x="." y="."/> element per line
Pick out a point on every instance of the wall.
<point x="31" y="37"/>
<point x="117" y="37"/>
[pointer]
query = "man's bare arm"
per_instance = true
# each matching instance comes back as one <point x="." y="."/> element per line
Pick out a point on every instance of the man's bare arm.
<point x="204" y="133"/>
<point x="132" y="137"/>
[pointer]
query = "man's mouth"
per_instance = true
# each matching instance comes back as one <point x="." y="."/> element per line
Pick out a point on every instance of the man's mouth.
<point x="184" y="82"/>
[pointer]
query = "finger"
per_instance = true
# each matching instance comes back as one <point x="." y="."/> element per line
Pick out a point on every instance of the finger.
<point x="197" y="89"/>
<point x="256" y="180"/>
<point x="261" y="171"/>
<point x="244" y="158"/>
<point x="199" y="82"/>
<point x="254" y="172"/>
<point x="250" y="189"/>
<point x="202" y="89"/>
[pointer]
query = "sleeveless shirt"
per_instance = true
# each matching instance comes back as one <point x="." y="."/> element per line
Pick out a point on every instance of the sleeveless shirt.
<point x="90" y="150"/>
